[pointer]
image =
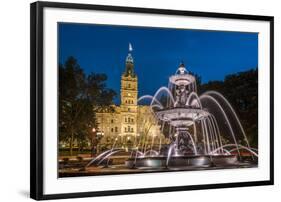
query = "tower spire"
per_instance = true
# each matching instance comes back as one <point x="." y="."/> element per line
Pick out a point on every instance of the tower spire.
<point x="130" y="63"/>
<point x="129" y="58"/>
<point x="130" y="47"/>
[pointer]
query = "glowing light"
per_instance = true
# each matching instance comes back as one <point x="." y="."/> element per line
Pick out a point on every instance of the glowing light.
<point x="130" y="47"/>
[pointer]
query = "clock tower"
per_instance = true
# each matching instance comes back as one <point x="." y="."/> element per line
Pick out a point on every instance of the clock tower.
<point x="129" y="105"/>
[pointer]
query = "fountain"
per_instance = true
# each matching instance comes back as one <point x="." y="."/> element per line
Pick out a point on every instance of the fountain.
<point x="203" y="131"/>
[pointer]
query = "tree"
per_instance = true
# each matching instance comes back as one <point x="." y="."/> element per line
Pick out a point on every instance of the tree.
<point x="80" y="96"/>
<point x="241" y="90"/>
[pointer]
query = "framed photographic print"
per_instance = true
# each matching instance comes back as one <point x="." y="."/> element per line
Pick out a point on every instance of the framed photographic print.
<point x="134" y="100"/>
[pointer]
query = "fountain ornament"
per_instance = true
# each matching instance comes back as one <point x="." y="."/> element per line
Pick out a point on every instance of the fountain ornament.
<point x="203" y="131"/>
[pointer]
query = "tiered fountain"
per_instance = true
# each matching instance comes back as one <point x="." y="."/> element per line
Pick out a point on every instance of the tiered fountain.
<point x="203" y="131"/>
<point x="195" y="133"/>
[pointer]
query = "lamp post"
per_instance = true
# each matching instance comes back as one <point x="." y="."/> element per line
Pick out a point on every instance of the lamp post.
<point x="93" y="141"/>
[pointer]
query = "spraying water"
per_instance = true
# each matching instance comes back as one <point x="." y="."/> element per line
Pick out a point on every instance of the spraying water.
<point x="202" y="130"/>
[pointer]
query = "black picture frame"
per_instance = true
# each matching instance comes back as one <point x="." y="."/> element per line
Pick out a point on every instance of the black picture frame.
<point x="36" y="99"/>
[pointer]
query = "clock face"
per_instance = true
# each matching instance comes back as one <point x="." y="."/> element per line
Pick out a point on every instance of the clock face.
<point x="129" y="94"/>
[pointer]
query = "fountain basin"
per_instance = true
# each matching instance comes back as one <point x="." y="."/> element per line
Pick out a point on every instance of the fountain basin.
<point x="222" y="160"/>
<point x="181" y="161"/>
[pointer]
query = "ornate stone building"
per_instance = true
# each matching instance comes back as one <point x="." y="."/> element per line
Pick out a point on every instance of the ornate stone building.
<point x="130" y="123"/>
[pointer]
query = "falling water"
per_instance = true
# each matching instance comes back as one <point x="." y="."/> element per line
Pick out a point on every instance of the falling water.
<point x="226" y="118"/>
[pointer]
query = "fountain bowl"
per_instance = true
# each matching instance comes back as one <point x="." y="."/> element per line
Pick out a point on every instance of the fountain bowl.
<point x="181" y="115"/>
<point x="181" y="161"/>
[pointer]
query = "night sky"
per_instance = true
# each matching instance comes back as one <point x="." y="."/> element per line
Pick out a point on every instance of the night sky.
<point x="157" y="52"/>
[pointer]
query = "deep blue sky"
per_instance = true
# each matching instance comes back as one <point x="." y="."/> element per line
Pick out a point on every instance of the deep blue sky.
<point x="157" y="52"/>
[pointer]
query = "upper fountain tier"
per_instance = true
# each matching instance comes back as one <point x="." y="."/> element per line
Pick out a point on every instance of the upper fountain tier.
<point x="186" y="107"/>
<point x="182" y="77"/>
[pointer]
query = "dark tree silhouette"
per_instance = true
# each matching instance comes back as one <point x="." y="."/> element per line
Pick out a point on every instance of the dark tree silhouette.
<point x="241" y="90"/>
<point x="80" y="96"/>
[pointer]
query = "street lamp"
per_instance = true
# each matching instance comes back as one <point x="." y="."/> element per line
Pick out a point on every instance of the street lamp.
<point x="92" y="141"/>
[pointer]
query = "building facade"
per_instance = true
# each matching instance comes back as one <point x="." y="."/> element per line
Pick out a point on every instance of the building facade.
<point x="129" y="124"/>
